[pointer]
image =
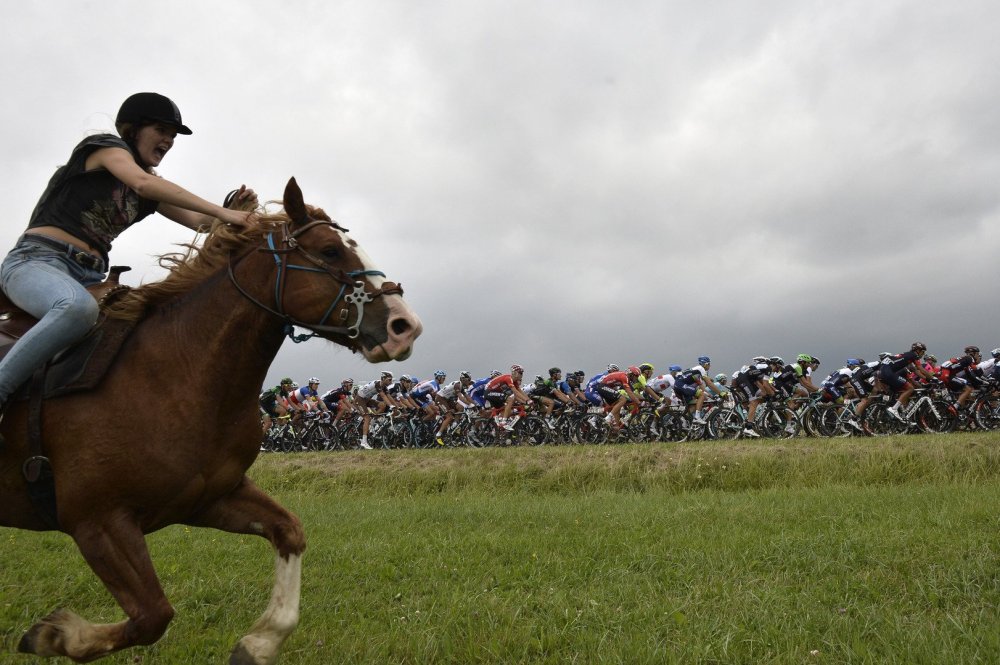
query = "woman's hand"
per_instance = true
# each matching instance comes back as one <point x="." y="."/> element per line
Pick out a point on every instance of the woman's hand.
<point x="241" y="219"/>
<point x="241" y="198"/>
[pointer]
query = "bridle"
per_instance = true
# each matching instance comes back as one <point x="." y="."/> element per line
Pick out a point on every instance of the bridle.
<point x="339" y="309"/>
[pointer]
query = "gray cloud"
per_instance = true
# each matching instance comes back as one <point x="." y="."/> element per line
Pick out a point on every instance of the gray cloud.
<point x="572" y="183"/>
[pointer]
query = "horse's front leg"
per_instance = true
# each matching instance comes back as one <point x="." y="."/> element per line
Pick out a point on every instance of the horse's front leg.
<point x="116" y="551"/>
<point x="248" y="510"/>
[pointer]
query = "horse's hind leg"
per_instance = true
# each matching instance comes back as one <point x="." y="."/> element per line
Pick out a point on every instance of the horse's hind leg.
<point x="248" y="510"/>
<point x="119" y="557"/>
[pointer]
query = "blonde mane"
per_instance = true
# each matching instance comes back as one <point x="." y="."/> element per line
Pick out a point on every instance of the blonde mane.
<point x="196" y="264"/>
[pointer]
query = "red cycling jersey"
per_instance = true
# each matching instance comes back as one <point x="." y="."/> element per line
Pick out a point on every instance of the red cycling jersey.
<point x="499" y="382"/>
<point x="615" y="379"/>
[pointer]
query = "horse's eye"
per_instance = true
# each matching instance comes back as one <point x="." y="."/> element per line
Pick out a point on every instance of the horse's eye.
<point x="331" y="253"/>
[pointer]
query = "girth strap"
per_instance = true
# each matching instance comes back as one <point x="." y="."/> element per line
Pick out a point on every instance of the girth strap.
<point x="37" y="470"/>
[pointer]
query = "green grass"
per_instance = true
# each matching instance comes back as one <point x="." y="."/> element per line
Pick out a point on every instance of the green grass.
<point x="854" y="551"/>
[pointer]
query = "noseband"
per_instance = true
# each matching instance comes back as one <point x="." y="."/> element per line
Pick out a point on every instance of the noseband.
<point x="340" y="307"/>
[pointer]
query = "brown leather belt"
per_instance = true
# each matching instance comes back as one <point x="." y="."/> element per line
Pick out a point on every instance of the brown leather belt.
<point x="85" y="259"/>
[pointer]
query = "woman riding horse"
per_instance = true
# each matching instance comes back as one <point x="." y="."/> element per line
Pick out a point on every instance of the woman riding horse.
<point x="107" y="185"/>
<point x="219" y="317"/>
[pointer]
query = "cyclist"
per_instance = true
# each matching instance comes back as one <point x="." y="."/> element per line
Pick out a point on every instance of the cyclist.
<point x="590" y="391"/>
<point x="338" y="400"/>
<point x="423" y="394"/>
<point x="550" y="392"/>
<point x="615" y="390"/>
<point x="838" y="384"/>
<point x="663" y="385"/>
<point x="400" y="393"/>
<point x="751" y="387"/>
<point x="274" y="402"/>
<point x="961" y="374"/>
<point x="641" y="384"/>
<point x="892" y="373"/>
<point x="305" y="399"/>
<point x="373" y="396"/>
<point x="448" y="400"/>
<point x="570" y="386"/>
<point x="688" y="387"/>
<point x="478" y="391"/>
<point x="502" y="391"/>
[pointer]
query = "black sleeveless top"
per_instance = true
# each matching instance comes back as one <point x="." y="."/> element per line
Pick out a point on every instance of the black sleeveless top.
<point x="93" y="206"/>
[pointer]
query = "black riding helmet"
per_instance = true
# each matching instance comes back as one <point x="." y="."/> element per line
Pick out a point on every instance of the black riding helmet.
<point x="145" y="107"/>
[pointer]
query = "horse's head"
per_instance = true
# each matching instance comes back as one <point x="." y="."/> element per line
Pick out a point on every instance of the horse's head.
<point x="327" y="284"/>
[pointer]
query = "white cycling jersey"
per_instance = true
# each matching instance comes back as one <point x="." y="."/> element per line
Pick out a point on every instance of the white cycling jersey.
<point x="369" y="390"/>
<point x="662" y="383"/>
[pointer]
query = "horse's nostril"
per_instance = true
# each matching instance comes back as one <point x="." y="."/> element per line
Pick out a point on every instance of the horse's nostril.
<point x="399" y="326"/>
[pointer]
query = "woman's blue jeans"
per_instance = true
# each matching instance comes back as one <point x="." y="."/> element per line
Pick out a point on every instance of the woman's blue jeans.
<point x="47" y="284"/>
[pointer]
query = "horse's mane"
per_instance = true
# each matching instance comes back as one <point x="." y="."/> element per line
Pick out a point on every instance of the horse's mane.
<point x="196" y="264"/>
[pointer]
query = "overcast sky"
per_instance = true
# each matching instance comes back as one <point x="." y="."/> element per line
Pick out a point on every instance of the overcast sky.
<point x="568" y="183"/>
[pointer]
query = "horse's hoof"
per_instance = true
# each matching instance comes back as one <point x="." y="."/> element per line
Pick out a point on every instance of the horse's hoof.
<point x="240" y="656"/>
<point x="40" y="637"/>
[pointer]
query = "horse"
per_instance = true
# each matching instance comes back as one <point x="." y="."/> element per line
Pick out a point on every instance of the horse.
<point x="217" y="319"/>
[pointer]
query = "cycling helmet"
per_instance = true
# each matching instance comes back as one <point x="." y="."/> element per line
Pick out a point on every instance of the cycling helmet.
<point x="756" y="360"/>
<point x="286" y="380"/>
<point x="860" y="361"/>
<point x="555" y="370"/>
<point x="495" y="373"/>
<point x="516" y="369"/>
<point x="646" y="366"/>
<point x="634" y="370"/>
<point x="313" y="380"/>
<point x="996" y="352"/>
<point x="704" y="360"/>
<point x="777" y="360"/>
<point x="406" y="377"/>
<point x="539" y="381"/>
<point x="884" y="355"/>
<point x="675" y="368"/>
<point x="613" y="368"/>
<point x="347" y="381"/>
<point x="804" y="358"/>
<point x="294" y="385"/>
<point x="145" y="107"/>
<point x="387" y="375"/>
<point x="931" y="358"/>
<point x="721" y="378"/>
<point x="971" y="349"/>
<point x="918" y="346"/>
<point x="465" y="375"/>
<point x="854" y="362"/>
<point x="580" y="373"/>
<point x="815" y="361"/>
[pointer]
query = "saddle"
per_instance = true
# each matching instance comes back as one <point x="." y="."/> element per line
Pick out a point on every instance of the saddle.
<point x="83" y="365"/>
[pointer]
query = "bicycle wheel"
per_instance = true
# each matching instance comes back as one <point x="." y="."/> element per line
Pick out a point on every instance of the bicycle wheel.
<point x="593" y="429"/>
<point x="312" y="438"/>
<point x="727" y="423"/>
<point x="777" y="422"/>
<point x="530" y="430"/>
<point x="880" y="422"/>
<point x="828" y="422"/>
<point x="936" y="416"/>
<point x="985" y="415"/>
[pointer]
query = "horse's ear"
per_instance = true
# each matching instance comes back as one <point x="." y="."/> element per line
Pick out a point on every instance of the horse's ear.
<point x="295" y="208"/>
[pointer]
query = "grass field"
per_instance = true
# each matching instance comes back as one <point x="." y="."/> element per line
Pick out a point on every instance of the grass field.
<point x="831" y="551"/>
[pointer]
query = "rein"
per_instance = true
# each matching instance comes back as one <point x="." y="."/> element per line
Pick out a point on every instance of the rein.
<point x="357" y="297"/>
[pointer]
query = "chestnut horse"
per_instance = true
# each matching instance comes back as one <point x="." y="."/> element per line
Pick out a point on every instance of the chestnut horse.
<point x="217" y="319"/>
